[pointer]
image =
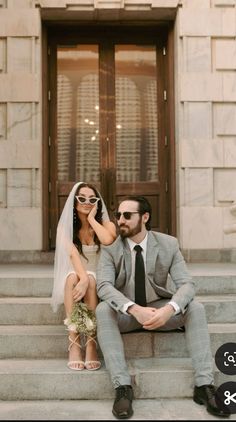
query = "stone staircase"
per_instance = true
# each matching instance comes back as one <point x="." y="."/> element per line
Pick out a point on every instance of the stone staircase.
<point x="34" y="342"/>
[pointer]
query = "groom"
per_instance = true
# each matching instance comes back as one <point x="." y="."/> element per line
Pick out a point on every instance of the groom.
<point x="132" y="286"/>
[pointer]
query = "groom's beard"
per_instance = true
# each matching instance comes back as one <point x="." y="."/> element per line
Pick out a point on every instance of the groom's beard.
<point x="126" y="231"/>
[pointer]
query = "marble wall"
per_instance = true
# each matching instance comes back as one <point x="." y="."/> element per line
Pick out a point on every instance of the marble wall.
<point x="205" y="109"/>
<point x="20" y="126"/>
<point x="206" y="135"/>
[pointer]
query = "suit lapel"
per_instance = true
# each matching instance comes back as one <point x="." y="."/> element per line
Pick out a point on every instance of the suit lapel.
<point x="127" y="257"/>
<point x="152" y="253"/>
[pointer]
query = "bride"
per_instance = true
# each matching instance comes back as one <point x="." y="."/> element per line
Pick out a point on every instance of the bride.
<point x="83" y="226"/>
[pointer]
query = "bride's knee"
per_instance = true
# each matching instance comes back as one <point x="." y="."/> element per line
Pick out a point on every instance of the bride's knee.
<point x="71" y="281"/>
<point x="92" y="283"/>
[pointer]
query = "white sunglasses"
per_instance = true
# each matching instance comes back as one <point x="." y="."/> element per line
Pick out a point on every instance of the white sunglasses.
<point x="91" y="201"/>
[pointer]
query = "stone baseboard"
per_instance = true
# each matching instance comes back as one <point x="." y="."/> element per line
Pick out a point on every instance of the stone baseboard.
<point x="47" y="257"/>
<point x="209" y="255"/>
<point x="27" y="257"/>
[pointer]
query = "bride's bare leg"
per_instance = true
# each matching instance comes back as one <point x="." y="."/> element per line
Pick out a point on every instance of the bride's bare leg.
<point x="75" y="355"/>
<point x="91" y="359"/>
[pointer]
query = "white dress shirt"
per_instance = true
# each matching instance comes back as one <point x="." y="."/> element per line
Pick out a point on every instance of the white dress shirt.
<point x="150" y="292"/>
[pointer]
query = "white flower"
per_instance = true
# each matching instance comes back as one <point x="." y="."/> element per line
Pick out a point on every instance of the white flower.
<point x="70" y="326"/>
<point x="89" y="323"/>
<point x="67" y="321"/>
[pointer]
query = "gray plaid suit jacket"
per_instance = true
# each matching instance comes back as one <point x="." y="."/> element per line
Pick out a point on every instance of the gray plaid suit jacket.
<point x="164" y="259"/>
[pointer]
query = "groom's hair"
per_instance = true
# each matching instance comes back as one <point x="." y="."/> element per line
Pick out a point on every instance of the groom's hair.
<point x="143" y="207"/>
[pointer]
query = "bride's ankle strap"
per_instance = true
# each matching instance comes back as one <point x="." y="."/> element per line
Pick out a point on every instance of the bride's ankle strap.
<point x="73" y="341"/>
<point x="91" y="339"/>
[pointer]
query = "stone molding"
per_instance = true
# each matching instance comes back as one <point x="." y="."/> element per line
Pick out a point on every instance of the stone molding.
<point x="107" y="10"/>
<point x="107" y="4"/>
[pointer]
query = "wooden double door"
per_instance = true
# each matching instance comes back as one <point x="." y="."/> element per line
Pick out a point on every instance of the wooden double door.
<point x="109" y="105"/>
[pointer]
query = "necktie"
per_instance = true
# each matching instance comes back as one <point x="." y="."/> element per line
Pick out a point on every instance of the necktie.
<point x="139" y="277"/>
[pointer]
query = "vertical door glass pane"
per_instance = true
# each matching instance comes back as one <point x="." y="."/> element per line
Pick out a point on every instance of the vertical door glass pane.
<point x="136" y="113"/>
<point x="78" y="113"/>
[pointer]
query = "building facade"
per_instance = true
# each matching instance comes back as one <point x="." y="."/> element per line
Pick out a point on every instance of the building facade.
<point x="136" y="96"/>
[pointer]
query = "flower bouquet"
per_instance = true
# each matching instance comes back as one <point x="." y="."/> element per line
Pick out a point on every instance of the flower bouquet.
<point x="82" y="320"/>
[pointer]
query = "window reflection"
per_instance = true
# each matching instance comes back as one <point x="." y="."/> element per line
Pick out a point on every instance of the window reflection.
<point x="77" y="116"/>
<point x="136" y="113"/>
<point x="78" y="113"/>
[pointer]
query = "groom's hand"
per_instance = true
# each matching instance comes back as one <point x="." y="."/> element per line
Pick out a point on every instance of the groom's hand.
<point x="159" y="317"/>
<point x="141" y="313"/>
<point x="151" y="318"/>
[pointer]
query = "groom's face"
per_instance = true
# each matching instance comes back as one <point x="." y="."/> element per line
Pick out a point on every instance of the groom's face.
<point x="129" y="227"/>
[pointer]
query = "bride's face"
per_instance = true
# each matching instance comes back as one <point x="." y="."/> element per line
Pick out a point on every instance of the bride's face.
<point x="83" y="205"/>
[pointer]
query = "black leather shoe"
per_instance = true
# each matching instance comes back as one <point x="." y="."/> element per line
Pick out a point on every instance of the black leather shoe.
<point x="122" y="407"/>
<point x="206" y="394"/>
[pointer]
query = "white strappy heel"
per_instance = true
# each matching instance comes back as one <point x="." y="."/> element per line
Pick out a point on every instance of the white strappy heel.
<point x="71" y="363"/>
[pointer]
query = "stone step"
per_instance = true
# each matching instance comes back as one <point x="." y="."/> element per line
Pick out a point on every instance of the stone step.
<point x="94" y="410"/>
<point x="27" y="286"/>
<point x="33" y="348"/>
<point x="206" y="285"/>
<point x="219" y="308"/>
<point x="26" y="280"/>
<point x="29" y="310"/>
<point x="213" y="278"/>
<point x="37" y="311"/>
<point x="51" y="380"/>
<point x="37" y="342"/>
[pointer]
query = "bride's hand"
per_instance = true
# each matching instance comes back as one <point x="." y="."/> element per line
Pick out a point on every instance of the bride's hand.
<point x="80" y="289"/>
<point x="92" y="212"/>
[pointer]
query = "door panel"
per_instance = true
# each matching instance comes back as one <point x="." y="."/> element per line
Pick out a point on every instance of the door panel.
<point x="78" y="156"/>
<point x="109" y="120"/>
<point x="137" y="164"/>
<point x="136" y="113"/>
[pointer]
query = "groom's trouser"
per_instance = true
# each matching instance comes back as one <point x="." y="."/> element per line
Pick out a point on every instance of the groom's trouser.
<point x="110" y="325"/>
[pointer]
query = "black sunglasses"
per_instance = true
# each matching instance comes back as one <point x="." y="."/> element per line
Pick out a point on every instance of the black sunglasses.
<point x="127" y="214"/>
